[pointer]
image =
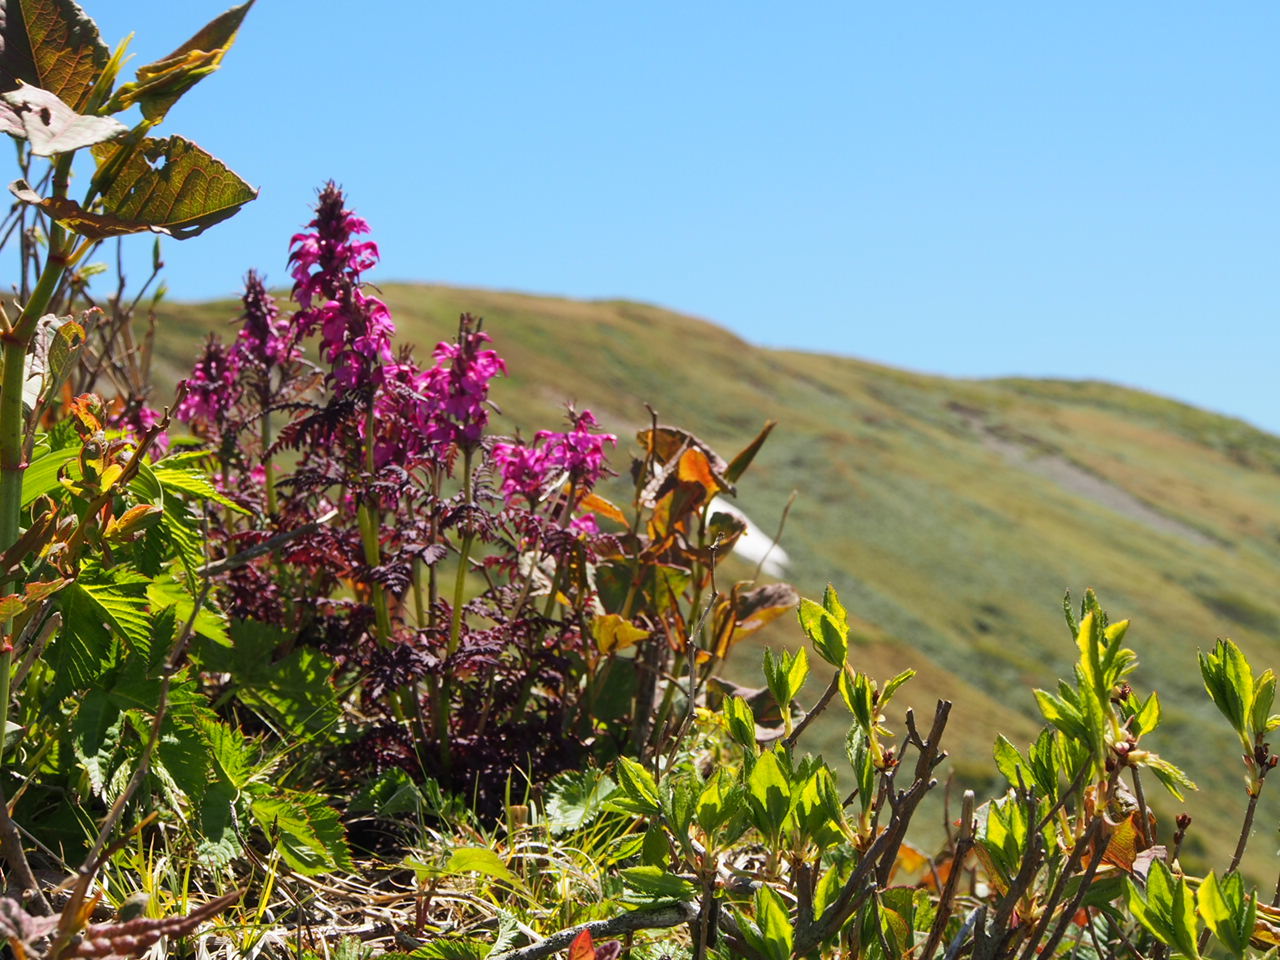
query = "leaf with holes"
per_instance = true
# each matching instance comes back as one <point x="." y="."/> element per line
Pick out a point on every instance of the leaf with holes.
<point x="50" y="126"/>
<point x="168" y="186"/>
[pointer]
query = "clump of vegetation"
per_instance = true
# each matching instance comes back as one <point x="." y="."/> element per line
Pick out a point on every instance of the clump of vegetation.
<point x="420" y="688"/>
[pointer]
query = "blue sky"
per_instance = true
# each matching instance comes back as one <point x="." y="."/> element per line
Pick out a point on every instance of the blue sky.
<point x="1086" y="190"/>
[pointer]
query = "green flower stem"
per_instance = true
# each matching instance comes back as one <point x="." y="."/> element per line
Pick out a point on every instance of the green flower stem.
<point x="369" y="525"/>
<point x="17" y="341"/>
<point x="459" y="590"/>
<point x="558" y="579"/>
<point x="441" y="705"/>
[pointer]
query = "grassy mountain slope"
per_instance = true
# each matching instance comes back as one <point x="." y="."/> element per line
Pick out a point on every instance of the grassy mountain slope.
<point x="950" y="514"/>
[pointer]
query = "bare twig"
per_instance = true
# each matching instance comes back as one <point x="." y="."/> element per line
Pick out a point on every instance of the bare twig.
<point x="777" y="537"/>
<point x="16" y="858"/>
<point x="657" y="919"/>
<point x="812" y="715"/>
<point x="219" y="567"/>
<point x="882" y="853"/>
<point x="963" y="844"/>
<point x="1092" y="836"/>
<point x="1247" y="827"/>
<point x="1068" y="915"/>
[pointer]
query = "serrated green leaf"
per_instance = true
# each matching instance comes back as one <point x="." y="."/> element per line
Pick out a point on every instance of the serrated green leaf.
<point x="310" y="832"/>
<point x="168" y="186"/>
<point x="464" y="948"/>
<point x="769" y="792"/>
<point x="831" y="603"/>
<point x="829" y="638"/>
<point x="1174" y="780"/>
<point x="90" y="740"/>
<point x="192" y="483"/>
<point x="892" y="685"/>
<point x="217" y="845"/>
<point x="231" y="750"/>
<point x="741" y="721"/>
<point x="638" y="787"/>
<point x="797" y="674"/>
<point x="1148" y="717"/>
<point x="857" y="695"/>
<point x="1264" y="695"/>
<point x="653" y="882"/>
<point x="576" y="798"/>
<point x="1009" y="762"/>
<point x="859" y="754"/>
<point x="118" y="599"/>
<point x="774" y="923"/>
<point x="181" y="762"/>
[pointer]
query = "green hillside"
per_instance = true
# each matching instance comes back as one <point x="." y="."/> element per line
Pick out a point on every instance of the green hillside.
<point x="950" y="514"/>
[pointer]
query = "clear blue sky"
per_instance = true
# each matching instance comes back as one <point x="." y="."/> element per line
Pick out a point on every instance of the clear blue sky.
<point x="1086" y="190"/>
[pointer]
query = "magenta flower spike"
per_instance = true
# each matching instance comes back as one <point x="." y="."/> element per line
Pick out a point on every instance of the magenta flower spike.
<point x="327" y="264"/>
<point x="264" y="339"/>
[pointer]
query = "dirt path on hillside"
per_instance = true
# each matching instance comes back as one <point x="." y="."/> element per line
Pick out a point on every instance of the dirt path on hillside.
<point x="1076" y="480"/>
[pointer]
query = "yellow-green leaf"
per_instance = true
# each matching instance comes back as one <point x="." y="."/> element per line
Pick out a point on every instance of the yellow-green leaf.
<point x="168" y="186"/>
<point x="160" y="84"/>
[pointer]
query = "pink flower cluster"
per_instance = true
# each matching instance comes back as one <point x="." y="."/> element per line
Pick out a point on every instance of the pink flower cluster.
<point x="355" y="329"/>
<point x="578" y="456"/>
<point x="464" y="384"/>
<point x="425" y="412"/>
<point x="214" y="385"/>
<point x="136" y="419"/>
<point x="265" y="339"/>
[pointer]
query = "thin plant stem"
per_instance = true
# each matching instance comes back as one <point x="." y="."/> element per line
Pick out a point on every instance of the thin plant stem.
<point x="370" y="523"/>
<point x="441" y="705"/>
<point x="267" y="466"/>
<point x="1247" y="826"/>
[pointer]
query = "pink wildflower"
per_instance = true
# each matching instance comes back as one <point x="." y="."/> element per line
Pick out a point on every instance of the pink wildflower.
<point x="523" y="469"/>
<point x="466" y="385"/>
<point x="213" y="387"/>
<point x="135" y="420"/>
<point x="577" y="455"/>
<point x="355" y="329"/>
<point x="585" y="524"/>
<point x="264" y="338"/>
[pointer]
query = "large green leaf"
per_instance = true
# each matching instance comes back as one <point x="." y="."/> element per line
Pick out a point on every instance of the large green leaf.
<point x="181" y="761"/>
<point x="51" y="44"/>
<point x="218" y="844"/>
<point x="90" y="742"/>
<point x="85" y="648"/>
<point x="160" y="84"/>
<point x="168" y="186"/>
<point x="164" y="591"/>
<point x="480" y="860"/>
<point x="172" y="186"/>
<point x="654" y="883"/>
<point x="117" y="600"/>
<point x="41" y="477"/>
<point x="193" y="483"/>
